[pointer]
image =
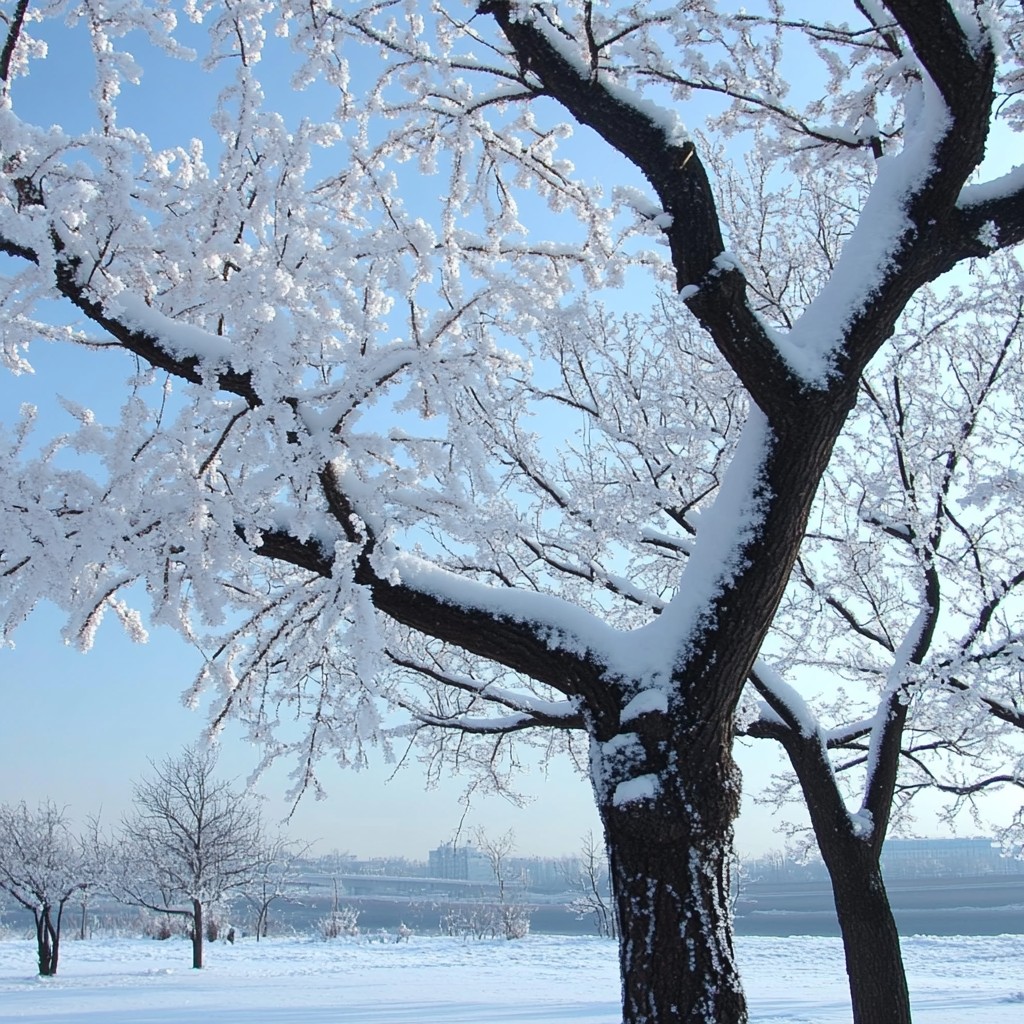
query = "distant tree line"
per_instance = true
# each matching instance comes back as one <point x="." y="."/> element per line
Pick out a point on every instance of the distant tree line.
<point x="191" y="843"/>
<point x="902" y="858"/>
<point x="194" y="843"/>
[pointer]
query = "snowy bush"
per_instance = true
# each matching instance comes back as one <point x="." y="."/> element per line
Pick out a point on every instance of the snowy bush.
<point x="340" y="922"/>
<point x="515" y="921"/>
<point x="159" y="926"/>
<point x="486" y="921"/>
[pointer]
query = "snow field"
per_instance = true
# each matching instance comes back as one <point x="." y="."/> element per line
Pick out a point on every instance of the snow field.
<point x="541" y="980"/>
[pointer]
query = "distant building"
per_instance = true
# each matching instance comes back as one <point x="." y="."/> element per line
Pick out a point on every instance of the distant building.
<point x="465" y="863"/>
<point x="939" y="858"/>
<point x="542" y="874"/>
<point x="447" y="861"/>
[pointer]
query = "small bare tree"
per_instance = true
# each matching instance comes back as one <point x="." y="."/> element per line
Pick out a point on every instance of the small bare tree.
<point x="43" y="865"/>
<point x="191" y="842"/>
<point x="513" y="915"/>
<point x="588" y="875"/>
<point x="275" y="878"/>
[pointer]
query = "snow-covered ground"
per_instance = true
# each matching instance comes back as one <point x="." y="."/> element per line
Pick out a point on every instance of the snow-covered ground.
<point x="541" y="980"/>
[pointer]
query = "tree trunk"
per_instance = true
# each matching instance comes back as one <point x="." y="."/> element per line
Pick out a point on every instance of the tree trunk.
<point x="197" y="934"/>
<point x="670" y="857"/>
<point x="871" y="941"/>
<point x="47" y="942"/>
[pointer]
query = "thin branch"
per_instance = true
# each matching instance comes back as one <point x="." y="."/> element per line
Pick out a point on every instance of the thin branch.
<point x="13" y="33"/>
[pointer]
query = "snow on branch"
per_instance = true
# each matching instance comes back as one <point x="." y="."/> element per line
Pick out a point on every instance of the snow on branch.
<point x="532" y="710"/>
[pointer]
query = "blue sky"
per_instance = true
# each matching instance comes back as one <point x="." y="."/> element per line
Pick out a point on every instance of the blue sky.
<point x="79" y="728"/>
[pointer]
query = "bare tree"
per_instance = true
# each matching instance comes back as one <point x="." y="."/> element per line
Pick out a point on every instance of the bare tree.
<point x="192" y="841"/>
<point x="275" y="877"/>
<point x="587" y="873"/>
<point x="513" y="916"/>
<point x="43" y="866"/>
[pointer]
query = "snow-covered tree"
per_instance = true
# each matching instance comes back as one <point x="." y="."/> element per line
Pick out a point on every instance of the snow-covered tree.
<point x="191" y="842"/>
<point x="904" y="613"/>
<point x="337" y="468"/>
<point x="43" y="865"/>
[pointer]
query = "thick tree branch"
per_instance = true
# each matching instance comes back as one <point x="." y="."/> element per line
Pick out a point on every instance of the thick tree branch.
<point x="509" y="724"/>
<point x="939" y="43"/>
<point x="142" y="343"/>
<point x="807" y="750"/>
<point x="935" y="239"/>
<point x="514" y="643"/>
<point x="988" y="218"/>
<point x="529" y="711"/>
<point x="669" y="160"/>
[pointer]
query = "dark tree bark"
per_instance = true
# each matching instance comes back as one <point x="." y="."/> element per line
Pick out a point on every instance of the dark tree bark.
<point x="197" y="934"/>
<point x="871" y="941"/>
<point x="871" y="944"/>
<point x="669" y="859"/>
<point x="48" y="940"/>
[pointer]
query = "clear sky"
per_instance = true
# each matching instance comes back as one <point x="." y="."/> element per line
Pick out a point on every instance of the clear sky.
<point x="77" y="729"/>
